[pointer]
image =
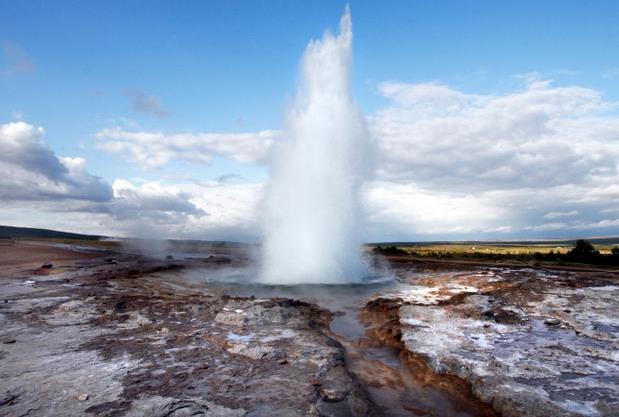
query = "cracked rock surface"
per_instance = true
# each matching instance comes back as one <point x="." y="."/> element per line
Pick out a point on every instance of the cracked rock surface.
<point x="118" y="334"/>
<point x="530" y="343"/>
<point x="102" y="338"/>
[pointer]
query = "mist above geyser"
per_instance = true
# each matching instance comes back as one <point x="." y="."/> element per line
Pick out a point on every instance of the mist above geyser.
<point x="312" y="227"/>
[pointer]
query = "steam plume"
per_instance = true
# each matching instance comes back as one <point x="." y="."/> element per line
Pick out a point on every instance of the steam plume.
<point x="312" y="221"/>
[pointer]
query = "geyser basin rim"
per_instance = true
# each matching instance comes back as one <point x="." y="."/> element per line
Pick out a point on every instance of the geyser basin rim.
<point x="317" y="283"/>
<point x="249" y="278"/>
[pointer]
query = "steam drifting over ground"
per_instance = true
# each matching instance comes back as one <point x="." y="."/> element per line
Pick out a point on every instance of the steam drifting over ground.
<point x="312" y="206"/>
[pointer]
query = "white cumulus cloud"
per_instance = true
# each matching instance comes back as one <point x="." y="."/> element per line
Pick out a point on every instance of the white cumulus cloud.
<point x="538" y="137"/>
<point x="154" y="149"/>
<point x="544" y="159"/>
<point x="32" y="171"/>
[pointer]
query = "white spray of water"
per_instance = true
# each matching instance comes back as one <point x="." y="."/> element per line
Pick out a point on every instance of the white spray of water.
<point x="312" y="206"/>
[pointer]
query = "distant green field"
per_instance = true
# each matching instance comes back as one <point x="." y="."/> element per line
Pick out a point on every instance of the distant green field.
<point x="496" y="249"/>
<point x="590" y="252"/>
<point x="603" y="245"/>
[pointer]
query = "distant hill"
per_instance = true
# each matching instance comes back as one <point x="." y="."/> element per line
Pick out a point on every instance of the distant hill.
<point x="28" y="232"/>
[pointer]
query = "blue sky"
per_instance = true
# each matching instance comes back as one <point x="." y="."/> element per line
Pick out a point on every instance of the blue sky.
<point x="231" y="66"/>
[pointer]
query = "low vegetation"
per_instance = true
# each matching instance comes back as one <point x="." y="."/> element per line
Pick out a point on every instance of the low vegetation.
<point x="579" y="252"/>
<point x="389" y="250"/>
<point x="583" y="252"/>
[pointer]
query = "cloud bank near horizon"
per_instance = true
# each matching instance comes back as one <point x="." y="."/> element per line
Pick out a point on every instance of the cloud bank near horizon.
<point x="540" y="161"/>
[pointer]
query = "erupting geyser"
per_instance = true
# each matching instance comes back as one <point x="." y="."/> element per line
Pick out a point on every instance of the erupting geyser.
<point x="312" y="206"/>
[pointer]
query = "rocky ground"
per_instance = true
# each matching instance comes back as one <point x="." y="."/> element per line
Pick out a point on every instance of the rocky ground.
<point x="529" y="342"/>
<point x="112" y="334"/>
<point x="101" y="337"/>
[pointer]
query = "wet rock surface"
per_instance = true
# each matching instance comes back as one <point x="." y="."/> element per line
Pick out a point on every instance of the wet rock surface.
<point x="529" y="342"/>
<point x="107" y="339"/>
<point x="118" y="334"/>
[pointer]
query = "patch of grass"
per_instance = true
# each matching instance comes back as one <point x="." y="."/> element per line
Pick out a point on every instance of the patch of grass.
<point x="602" y="254"/>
